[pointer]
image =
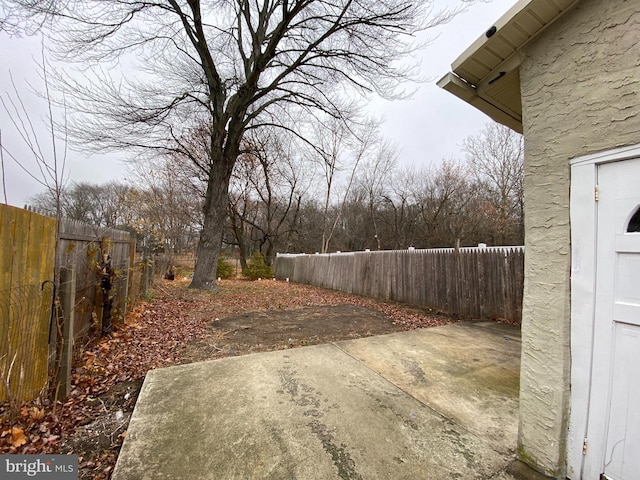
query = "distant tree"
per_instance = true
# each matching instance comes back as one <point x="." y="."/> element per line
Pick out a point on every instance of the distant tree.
<point x="496" y="157"/>
<point x="100" y="205"/>
<point x="400" y="212"/>
<point x="446" y="197"/>
<point x="166" y="204"/>
<point x="354" y="230"/>
<point x="375" y="180"/>
<point x="339" y="152"/>
<point x="225" y="269"/>
<point x="266" y="191"/>
<point x="232" y="66"/>
<point x="306" y="228"/>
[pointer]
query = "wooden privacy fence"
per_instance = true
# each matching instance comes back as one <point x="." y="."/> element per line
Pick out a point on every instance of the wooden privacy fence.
<point x="472" y="282"/>
<point x="27" y="247"/>
<point x="32" y="273"/>
<point x="80" y="249"/>
<point x="95" y="265"/>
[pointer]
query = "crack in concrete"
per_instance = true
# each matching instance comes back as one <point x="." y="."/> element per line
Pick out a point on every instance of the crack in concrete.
<point x="304" y="395"/>
<point x="341" y="458"/>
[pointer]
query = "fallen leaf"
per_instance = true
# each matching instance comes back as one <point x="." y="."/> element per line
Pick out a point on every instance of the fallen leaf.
<point x="154" y="336"/>
<point x="36" y="413"/>
<point x="50" y="439"/>
<point x="18" y="437"/>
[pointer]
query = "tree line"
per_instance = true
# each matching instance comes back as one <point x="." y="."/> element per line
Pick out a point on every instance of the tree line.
<point x="162" y="76"/>
<point x="285" y="196"/>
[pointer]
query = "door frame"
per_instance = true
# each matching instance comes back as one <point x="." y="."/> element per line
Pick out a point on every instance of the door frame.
<point x="585" y="455"/>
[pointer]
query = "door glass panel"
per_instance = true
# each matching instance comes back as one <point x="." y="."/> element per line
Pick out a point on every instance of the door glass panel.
<point x="634" y="223"/>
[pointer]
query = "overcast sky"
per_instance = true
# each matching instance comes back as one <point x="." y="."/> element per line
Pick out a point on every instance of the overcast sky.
<point x="426" y="129"/>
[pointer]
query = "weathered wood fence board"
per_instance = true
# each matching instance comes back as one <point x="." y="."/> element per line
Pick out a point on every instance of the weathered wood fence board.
<point x="29" y="261"/>
<point x="471" y="282"/>
<point x="27" y="244"/>
<point x="83" y="246"/>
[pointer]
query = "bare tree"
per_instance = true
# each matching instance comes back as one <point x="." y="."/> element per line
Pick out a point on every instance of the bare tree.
<point x="242" y="206"/>
<point x="375" y="180"/>
<point x="232" y="65"/>
<point x="329" y="145"/>
<point x="446" y="197"/>
<point x="340" y="151"/>
<point x="496" y="157"/>
<point x="399" y="210"/>
<point x="165" y="205"/>
<point x="270" y="192"/>
<point x="48" y="150"/>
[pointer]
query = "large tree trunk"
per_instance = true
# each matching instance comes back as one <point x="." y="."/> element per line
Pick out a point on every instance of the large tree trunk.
<point x="215" y="214"/>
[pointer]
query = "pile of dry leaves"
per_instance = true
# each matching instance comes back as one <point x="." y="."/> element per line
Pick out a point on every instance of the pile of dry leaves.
<point x="92" y="422"/>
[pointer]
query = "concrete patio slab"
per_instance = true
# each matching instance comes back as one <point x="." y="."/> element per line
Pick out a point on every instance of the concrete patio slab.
<point x="430" y="404"/>
<point x="469" y="375"/>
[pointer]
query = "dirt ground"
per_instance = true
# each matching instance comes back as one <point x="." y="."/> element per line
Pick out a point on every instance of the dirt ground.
<point x="276" y="330"/>
<point x="180" y="326"/>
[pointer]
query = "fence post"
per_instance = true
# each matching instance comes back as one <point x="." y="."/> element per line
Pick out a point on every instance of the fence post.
<point x="482" y="281"/>
<point x="107" y="275"/>
<point x="147" y="275"/>
<point x="130" y="276"/>
<point x="68" y="302"/>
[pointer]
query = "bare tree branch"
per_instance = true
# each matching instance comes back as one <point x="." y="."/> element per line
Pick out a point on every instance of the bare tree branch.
<point x="231" y="65"/>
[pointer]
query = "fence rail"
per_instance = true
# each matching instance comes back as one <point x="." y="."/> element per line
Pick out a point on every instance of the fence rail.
<point x="472" y="282"/>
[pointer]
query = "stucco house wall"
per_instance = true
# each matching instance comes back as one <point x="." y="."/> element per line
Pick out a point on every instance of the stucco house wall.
<point x="580" y="87"/>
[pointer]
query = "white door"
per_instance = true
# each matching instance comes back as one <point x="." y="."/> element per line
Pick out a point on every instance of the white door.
<point x="614" y="413"/>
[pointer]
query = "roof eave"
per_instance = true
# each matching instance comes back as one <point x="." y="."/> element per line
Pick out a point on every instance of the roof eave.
<point x="486" y="74"/>
<point x="468" y="93"/>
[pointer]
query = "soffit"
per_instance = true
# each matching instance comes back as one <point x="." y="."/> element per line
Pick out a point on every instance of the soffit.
<point x="487" y="75"/>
